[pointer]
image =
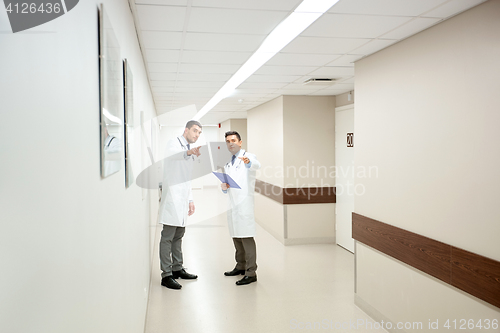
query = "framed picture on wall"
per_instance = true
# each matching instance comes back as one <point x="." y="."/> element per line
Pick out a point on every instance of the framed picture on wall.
<point x="128" y="114"/>
<point x="111" y="90"/>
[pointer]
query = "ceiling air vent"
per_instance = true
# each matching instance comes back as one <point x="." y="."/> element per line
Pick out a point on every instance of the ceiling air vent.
<point x="320" y="82"/>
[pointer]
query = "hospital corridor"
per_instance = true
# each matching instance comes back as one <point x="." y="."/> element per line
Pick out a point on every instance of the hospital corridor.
<point x="249" y="166"/>
<point x="299" y="287"/>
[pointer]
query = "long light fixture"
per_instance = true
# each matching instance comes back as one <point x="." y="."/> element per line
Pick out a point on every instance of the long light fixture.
<point x="301" y="18"/>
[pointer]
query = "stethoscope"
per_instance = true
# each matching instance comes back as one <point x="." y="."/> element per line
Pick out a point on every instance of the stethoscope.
<point x="184" y="146"/>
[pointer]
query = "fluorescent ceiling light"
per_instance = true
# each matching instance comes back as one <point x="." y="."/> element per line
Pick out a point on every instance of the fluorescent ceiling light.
<point x="301" y="18"/>
<point x="315" y="6"/>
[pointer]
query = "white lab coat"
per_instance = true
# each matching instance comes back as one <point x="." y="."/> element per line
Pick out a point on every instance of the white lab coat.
<point x="240" y="214"/>
<point x="176" y="185"/>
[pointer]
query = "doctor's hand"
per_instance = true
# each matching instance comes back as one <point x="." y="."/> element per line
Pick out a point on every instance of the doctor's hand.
<point x="194" y="151"/>
<point x="245" y="159"/>
<point x="191" y="208"/>
<point x="224" y="186"/>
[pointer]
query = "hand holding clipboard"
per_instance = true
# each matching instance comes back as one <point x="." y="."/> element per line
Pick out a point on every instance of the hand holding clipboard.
<point x="226" y="179"/>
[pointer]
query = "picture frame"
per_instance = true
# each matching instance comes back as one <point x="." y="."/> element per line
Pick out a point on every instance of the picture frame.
<point x="111" y="100"/>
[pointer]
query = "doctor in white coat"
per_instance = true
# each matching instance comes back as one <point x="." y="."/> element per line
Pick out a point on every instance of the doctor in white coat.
<point x="177" y="203"/>
<point x="240" y="217"/>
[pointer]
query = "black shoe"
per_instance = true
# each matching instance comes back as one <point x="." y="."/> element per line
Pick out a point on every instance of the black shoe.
<point x="235" y="272"/>
<point x="183" y="275"/>
<point x="246" y="280"/>
<point x="169" y="282"/>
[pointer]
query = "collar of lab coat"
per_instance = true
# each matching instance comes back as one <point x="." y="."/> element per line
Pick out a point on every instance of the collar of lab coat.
<point x="183" y="140"/>
<point x="239" y="153"/>
<point x="108" y="140"/>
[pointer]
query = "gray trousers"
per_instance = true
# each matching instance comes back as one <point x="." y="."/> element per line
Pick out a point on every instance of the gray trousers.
<point x="171" y="249"/>
<point x="246" y="255"/>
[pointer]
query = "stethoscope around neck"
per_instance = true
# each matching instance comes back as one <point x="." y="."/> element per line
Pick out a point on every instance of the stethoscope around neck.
<point x="184" y="146"/>
<point x="239" y="164"/>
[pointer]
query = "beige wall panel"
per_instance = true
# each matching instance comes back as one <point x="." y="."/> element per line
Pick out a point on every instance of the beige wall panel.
<point x="224" y="127"/>
<point x="427" y="117"/>
<point x="309" y="140"/>
<point x="311" y="221"/>
<point x="269" y="215"/>
<point x="265" y="139"/>
<point x="240" y="126"/>
<point x="343" y="99"/>
<point x="404" y="294"/>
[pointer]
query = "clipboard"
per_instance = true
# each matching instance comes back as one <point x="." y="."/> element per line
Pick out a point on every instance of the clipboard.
<point x="225" y="178"/>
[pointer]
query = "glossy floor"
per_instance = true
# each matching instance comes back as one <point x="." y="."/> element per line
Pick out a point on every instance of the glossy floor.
<point x="299" y="288"/>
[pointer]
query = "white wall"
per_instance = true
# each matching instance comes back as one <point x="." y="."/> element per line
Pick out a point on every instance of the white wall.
<point x="74" y="247"/>
<point x="427" y="115"/>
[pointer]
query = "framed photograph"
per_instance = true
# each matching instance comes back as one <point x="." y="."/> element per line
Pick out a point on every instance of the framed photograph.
<point x="111" y="100"/>
<point x="128" y="114"/>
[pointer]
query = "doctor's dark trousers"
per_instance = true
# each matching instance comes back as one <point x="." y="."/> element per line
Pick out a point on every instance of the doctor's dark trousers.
<point x="171" y="249"/>
<point x="246" y="255"/>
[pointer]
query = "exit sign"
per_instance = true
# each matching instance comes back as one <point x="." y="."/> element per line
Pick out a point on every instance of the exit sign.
<point x="350" y="137"/>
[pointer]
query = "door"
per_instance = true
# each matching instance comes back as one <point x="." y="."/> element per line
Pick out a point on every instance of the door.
<point x="344" y="160"/>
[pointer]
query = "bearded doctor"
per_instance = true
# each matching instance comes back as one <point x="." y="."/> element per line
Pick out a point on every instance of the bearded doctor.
<point x="240" y="216"/>
<point x="177" y="203"/>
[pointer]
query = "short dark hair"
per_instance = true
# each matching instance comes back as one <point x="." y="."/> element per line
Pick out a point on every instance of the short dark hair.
<point x="193" y="122"/>
<point x="233" y="133"/>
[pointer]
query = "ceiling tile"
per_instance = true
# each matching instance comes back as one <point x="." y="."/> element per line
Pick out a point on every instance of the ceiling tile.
<point x="162" y="55"/>
<point x="414" y="26"/>
<point x="195" y="90"/>
<point x="222" y="42"/>
<point x="214" y="68"/>
<point x="333" y="72"/>
<point x="353" y="26"/>
<point x="348" y="80"/>
<point x="285" y="5"/>
<point x="345" y="60"/>
<point x="164" y="84"/>
<point x="453" y="7"/>
<point x="284" y="70"/>
<point x="212" y="57"/>
<point x="243" y="93"/>
<point x="199" y="84"/>
<point x="330" y="92"/>
<point x="163" y="2"/>
<point x="161" y="17"/>
<point x="161" y="40"/>
<point x="261" y="91"/>
<point x="295" y="59"/>
<point x="302" y="87"/>
<point x="373" y="46"/>
<point x="234" y="20"/>
<point x="203" y="77"/>
<point x="385" y="7"/>
<point x="322" y="45"/>
<point x="297" y="92"/>
<point x="162" y="76"/>
<point x="162" y="67"/>
<point x="263" y="85"/>
<point x="160" y="89"/>
<point x="272" y="78"/>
